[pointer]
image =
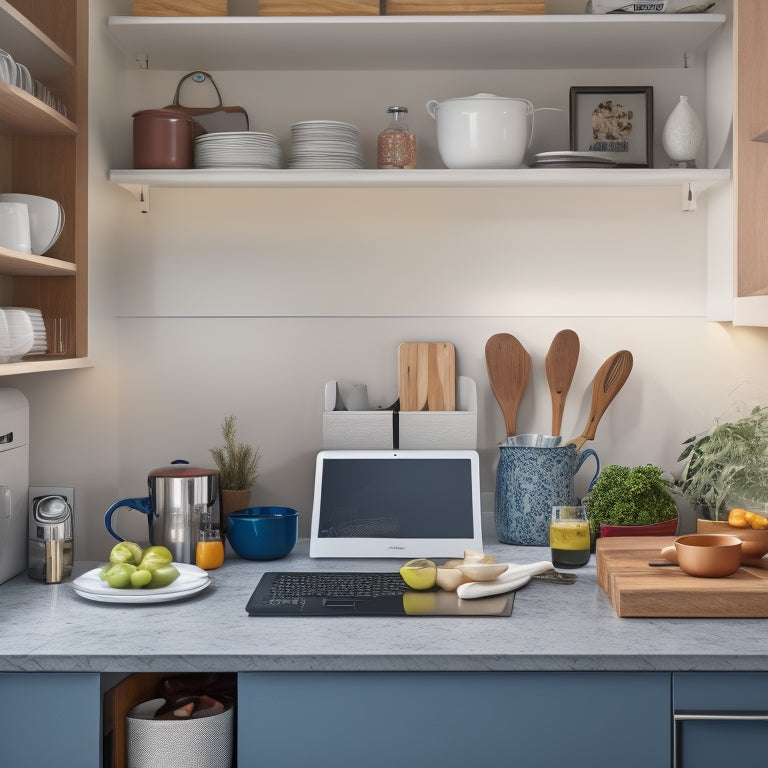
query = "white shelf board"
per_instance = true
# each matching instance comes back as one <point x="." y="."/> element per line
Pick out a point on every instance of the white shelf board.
<point x="434" y="177"/>
<point x="30" y="46"/>
<point x="750" y="310"/>
<point x="413" y="42"/>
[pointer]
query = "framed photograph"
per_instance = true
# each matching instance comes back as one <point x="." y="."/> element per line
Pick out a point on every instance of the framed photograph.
<point x="617" y="122"/>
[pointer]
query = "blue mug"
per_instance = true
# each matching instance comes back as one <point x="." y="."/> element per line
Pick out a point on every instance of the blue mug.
<point x="529" y="482"/>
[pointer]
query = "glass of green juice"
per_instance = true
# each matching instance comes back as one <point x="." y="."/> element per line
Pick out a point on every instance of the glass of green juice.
<point x="569" y="537"/>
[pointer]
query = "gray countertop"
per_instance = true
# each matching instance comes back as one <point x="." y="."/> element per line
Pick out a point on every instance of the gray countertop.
<point x="552" y="627"/>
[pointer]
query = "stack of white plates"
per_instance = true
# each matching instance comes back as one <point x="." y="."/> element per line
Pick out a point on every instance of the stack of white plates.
<point x="46" y="219"/>
<point x="325" y="144"/>
<point x="238" y="149"/>
<point x="567" y="159"/>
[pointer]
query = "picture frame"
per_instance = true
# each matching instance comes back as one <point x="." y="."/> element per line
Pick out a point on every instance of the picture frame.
<point x="616" y="121"/>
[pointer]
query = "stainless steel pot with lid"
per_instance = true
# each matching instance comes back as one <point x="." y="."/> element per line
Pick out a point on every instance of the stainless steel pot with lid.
<point x="179" y="495"/>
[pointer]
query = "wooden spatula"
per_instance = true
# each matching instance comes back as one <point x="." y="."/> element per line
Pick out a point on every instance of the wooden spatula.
<point x="427" y="376"/>
<point x="509" y="367"/>
<point x="609" y="379"/>
<point x="560" y="365"/>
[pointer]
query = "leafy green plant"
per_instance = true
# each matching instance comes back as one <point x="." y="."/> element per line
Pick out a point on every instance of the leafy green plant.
<point x="629" y="496"/>
<point x="238" y="463"/>
<point x="728" y="467"/>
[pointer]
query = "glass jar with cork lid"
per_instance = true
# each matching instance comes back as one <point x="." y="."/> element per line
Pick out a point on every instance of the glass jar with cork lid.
<point x="396" y="144"/>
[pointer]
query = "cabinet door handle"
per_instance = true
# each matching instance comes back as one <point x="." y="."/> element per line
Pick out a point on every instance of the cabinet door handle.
<point x="721" y="715"/>
<point x="712" y="716"/>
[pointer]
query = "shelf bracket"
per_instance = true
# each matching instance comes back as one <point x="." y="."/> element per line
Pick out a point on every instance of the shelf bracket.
<point x="140" y="192"/>
<point x="691" y="192"/>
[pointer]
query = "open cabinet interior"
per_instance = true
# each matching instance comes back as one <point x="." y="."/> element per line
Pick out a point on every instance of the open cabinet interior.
<point x="44" y="152"/>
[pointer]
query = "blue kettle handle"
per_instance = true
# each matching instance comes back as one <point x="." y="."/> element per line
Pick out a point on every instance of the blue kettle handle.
<point x="142" y="505"/>
<point x="582" y="457"/>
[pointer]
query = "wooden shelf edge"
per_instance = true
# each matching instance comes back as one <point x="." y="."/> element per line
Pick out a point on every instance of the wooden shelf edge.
<point x="22" y="264"/>
<point x="47" y="364"/>
<point x="21" y="112"/>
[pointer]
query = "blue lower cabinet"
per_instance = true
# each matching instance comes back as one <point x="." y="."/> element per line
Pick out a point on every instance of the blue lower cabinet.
<point x="720" y="719"/>
<point x="50" y="719"/>
<point x="525" y="720"/>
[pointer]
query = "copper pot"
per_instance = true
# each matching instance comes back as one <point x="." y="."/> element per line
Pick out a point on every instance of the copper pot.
<point x="164" y="138"/>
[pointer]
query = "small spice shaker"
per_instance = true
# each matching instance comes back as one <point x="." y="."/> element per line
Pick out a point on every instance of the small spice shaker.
<point x="397" y="145"/>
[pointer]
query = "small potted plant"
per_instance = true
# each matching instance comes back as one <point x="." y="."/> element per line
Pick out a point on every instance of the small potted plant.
<point x="238" y="465"/>
<point x="631" y="501"/>
<point x="727" y="466"/>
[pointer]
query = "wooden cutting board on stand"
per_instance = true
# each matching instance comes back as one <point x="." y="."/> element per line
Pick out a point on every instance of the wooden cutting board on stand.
<point x="638" y="589"/>
<point x="427" y="376"/>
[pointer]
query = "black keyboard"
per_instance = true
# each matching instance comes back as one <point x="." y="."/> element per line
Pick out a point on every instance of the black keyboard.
<point x="289" y="586"/>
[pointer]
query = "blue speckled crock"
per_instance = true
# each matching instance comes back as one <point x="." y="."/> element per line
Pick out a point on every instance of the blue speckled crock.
<point x="529" y="482"/>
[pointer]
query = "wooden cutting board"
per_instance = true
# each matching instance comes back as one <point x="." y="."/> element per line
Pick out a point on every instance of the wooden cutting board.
<point x="638" y="589"/>
<point x="427" y="376"/>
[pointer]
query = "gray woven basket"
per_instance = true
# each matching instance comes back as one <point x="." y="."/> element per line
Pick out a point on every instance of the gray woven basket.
<point x="183" y="743"/>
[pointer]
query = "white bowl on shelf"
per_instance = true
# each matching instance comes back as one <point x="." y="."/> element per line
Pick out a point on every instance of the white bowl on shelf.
<point x="46" y="219"/>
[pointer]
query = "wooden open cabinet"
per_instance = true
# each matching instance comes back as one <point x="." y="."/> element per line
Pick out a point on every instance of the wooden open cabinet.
<point x="751" y="162"/>
<point x="43" y="152"/>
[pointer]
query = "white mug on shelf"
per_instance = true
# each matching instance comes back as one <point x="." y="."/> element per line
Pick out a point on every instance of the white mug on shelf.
<point x="14" y="227"/>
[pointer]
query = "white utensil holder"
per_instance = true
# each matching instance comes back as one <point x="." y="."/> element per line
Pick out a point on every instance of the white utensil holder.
<point x="406" y="430"/>
<point x="183" y="743"/>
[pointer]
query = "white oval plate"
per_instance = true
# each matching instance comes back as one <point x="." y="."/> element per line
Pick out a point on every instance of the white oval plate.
<point x="191" y="580"/>
<point x="150" y="596"/>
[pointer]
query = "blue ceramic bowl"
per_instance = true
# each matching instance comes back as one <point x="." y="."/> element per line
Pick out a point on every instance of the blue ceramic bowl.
<point x="263" y="533"/>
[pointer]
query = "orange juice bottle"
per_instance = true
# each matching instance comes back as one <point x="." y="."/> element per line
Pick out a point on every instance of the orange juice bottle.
<point x="210" y="550"/>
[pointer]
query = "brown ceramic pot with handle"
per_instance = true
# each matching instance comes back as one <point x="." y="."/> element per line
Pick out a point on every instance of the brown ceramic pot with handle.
<point x="164" y="139"/>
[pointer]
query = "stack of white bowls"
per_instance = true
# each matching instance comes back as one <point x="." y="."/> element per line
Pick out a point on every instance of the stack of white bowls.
<point x="22" y="332"/>
<point x="16" y="335"/>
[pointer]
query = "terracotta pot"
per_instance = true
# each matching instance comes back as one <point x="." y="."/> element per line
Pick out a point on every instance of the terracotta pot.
<point x="233" y="501"/>
<point x="667" y="528"/>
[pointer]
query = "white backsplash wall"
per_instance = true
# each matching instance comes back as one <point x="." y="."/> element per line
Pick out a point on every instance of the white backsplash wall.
<point x="270" y="372"/>
<point x="248" y="301"/>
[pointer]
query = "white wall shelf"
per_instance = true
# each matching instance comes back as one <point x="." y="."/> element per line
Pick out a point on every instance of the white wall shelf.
<point x="413" y="42"/>
<point x="692" y="182"/>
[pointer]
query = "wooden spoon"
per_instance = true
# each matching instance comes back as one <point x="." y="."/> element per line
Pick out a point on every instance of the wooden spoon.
<point x="509" y="367"/>
<point x="560" y="365"/>
<point x="609" y="379"/>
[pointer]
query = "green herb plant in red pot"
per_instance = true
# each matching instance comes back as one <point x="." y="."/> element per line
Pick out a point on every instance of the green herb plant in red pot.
<point x="631" y="501"/>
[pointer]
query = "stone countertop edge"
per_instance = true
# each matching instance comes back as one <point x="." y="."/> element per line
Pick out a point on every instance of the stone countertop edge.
<point x="555" y="628"/>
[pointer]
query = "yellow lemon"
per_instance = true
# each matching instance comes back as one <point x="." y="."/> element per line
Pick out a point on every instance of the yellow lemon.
<point x="419" y="574"/>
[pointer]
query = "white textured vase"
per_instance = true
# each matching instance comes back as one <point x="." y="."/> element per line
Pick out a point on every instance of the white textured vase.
<point x="683" y="134"/>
